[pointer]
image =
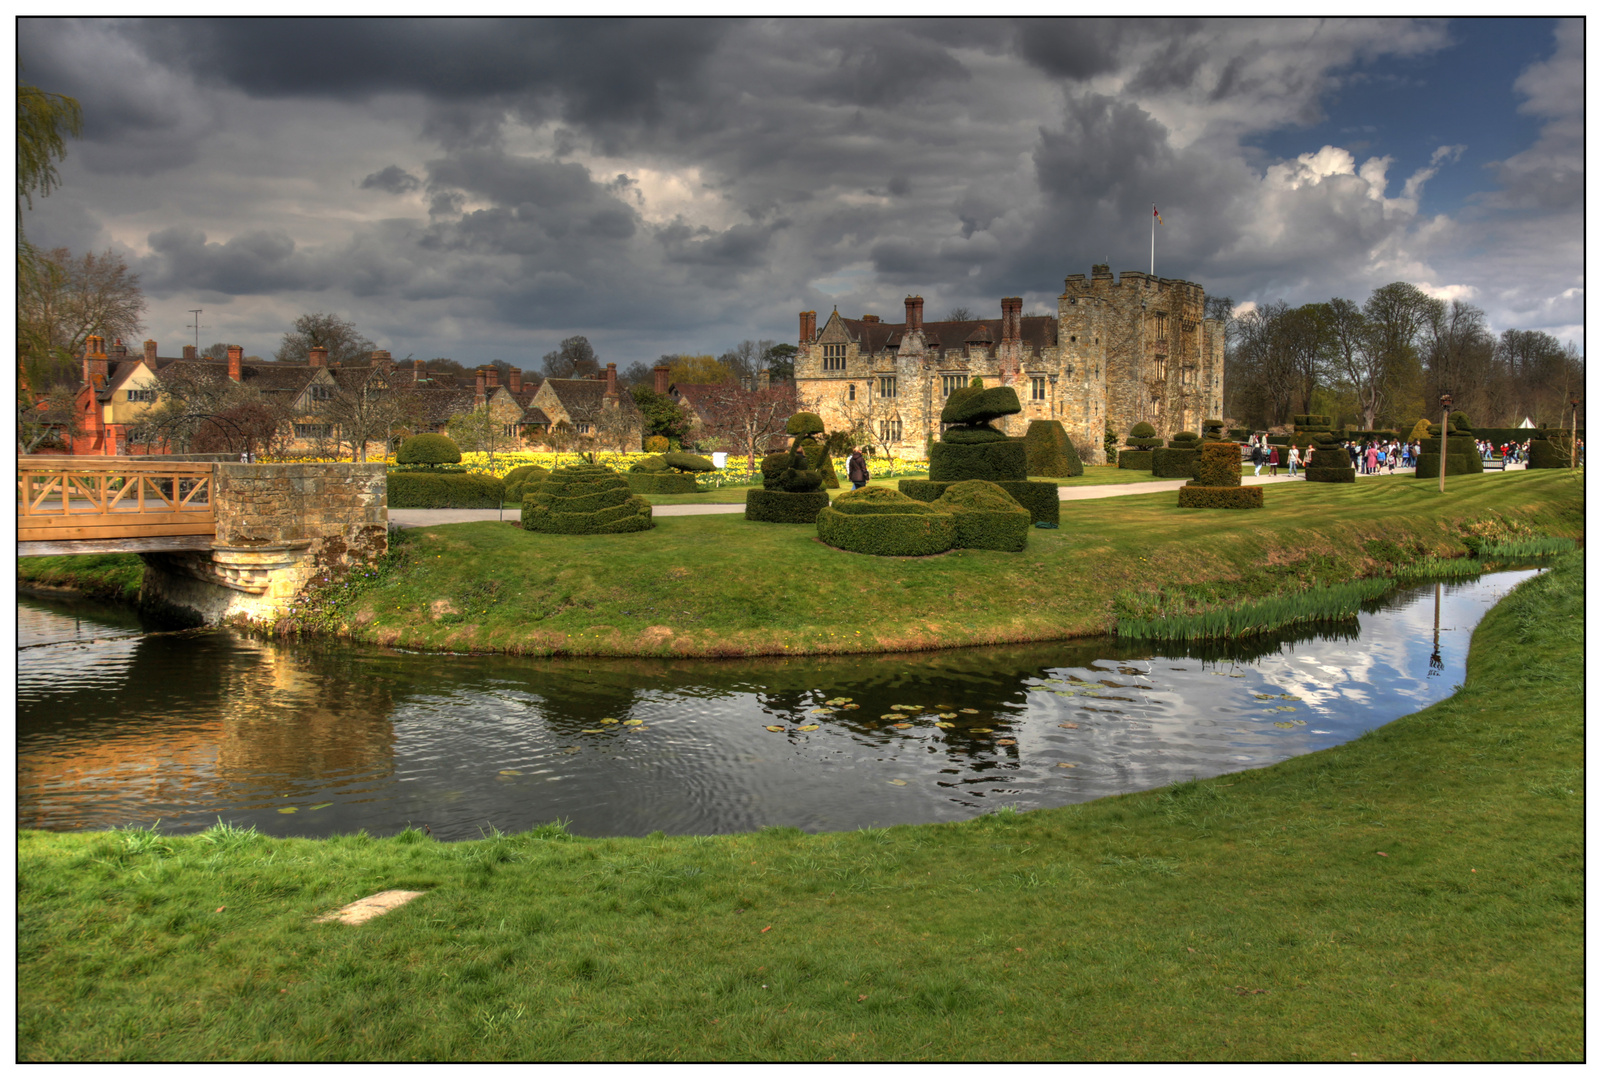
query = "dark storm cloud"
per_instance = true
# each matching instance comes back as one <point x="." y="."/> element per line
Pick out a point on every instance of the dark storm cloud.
<point x="885" y="68"/>
<point x="393" y="179"/>
<point x="254" y="262"/>
<point x="1078" y="49"/>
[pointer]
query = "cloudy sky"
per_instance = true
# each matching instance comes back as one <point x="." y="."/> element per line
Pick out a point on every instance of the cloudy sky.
<point x="481" y="189"/>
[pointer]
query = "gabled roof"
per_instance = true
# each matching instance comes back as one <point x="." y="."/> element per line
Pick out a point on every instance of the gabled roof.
<point x="1037" y="331"/>
<point x="582" y="397"/>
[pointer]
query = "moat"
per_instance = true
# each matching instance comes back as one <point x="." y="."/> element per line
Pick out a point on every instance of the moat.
<point x="120" y="725"/>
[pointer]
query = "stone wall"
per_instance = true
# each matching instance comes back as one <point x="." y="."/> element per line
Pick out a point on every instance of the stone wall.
<point x="278" y="527"/>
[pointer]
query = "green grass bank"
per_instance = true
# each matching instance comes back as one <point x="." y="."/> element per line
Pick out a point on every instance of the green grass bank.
<point x="1416" y="894"/>
<point x="721" y="586"/>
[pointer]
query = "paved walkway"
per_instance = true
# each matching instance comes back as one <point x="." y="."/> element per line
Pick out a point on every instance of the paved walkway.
<point x="411" y="519"/>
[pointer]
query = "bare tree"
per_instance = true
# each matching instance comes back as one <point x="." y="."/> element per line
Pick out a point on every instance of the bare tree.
<point x="1458" y="354"/>
<point x="196" y="403"/>
<point x="868" y="416"/>
<point x="49" y="418"/>
<point x="65" y="299"/>
<point x="345" y="344"/>
<point x="574" y="358"/>
<point x="748" y="417"/>
<point x="363" y="409"/>
<point x="1356" y="360"/>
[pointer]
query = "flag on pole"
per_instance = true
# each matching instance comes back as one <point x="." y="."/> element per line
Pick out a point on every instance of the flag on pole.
<point x="1155" y="214"/>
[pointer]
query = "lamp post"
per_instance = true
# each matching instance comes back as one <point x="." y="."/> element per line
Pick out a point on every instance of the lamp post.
<point x="1574" y="430"/>
<point x="1446" y="408"/>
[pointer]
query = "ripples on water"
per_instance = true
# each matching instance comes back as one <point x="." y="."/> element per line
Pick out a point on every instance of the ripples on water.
<point x="117" y="726"/>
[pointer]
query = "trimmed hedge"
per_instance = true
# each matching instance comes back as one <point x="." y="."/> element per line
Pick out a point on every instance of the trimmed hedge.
<point x="439" y="491"/>
<point x="971" y="436"/>
<point x="1143" y="437"/>
<point x="1048" y="451"/>
<point x="521" y="478"/>
<point x="1221" y="498"/>
<point x="1039" y="497"/>
<point x="584" y="500"/>
<point x="974" y="405"/>
<point x="785" y="507"/>
<point x="1135" y="459"/>
<point x="661" y="483"/>
<point x="1003" y="460"/>
<point x="819" y="461"/>
<point x="688" y="463"/>
<point x="1329" y="462"/>
<point x="1319" y="474"/>
<point x="987" y="517"/>
<point x="878" y="521"/>
<point x="428" y="449"/>
<point x="1172" y="462"/>
<point x="804" y="423"/>
<point x="924" y="490"/>
<point x="1549" y="453"/>
<point x="1218" y="465"/>
<point x="1429" y="466"/>
<point x="1212" y="431"/>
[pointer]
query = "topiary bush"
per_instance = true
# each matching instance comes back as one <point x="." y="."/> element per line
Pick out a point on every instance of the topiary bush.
<point x="1551" y="452"/>
<point x="987" y="517"/>
<point x="421" y="490"/>
<point x="792" y="484"/>
<point x="1217" y="485"/>
<point x="784" y="507"/>
<point x="1047" y="451"/>
<point x="583" y="500"/>
<point x="518" y="480"/>
<point x="1212" y="431"/>
<point x="653" y="464"/>
<point x="1178" y="458"/>
<point x="878" y="521"/>
<point x="428" y="449"/>
<point x="1239" y="434"/>
<point x="1109" y="445"/>
<point x="664" y="482"/>
<point x="688" y="463"/>
<point x="1037" y="497"/>
<point x="1329" y="463"/>
<point x="1142" y="440"/>
<point x="975" y="450"/>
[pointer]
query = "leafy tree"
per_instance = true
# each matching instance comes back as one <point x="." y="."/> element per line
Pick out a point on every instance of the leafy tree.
<point x="573" y="359"/>
<point x="65" y="299"/>
<point x="663" y="416"/>
<point x="780" y="361"/>
<point x="43" y="119"/>
<point x="699" y="369"/>
<point x="345" y="344"/>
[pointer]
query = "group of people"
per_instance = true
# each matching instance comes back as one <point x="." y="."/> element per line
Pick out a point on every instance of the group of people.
<point x="1367" y="457"/>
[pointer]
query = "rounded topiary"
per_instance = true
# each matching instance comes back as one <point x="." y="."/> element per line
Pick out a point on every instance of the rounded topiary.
<point x="1048" y="451"/>
<point x="518" y="480"/>
<point x="1185" y="440"/>
<point x="1212" y="431"/>
<point x="804" y="423"/>
<point x="879" y="521"/>
<point x="689" y="463"/>
<point x="428" y="449"/>
<point x="1143" y="437"/>
<point x="585" y="499"/>
<point x="975" y="406"/>
<point x="987" y="517"/>
<point x="653" y="464"/>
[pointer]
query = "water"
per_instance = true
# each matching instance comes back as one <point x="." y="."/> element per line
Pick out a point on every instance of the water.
<point x="119" y="726"/>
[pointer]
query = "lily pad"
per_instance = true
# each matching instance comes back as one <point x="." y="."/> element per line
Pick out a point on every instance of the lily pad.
<point x="822" y="712"/>
<point x="1237" y="674"/>
<point x="320" y="806"/>
<point x="907" y="708"/>
<point x="592" y="731"/>
<point x="607" y="720"/>
<point x="968" y="710"/>
<point x="944" y="724"/>
<point x="948" y="716"/>
<point x="1070" y="724"/>
<point x="287" y="810"/>
<point x="510" y="772"/>
<point x="1264" y="697"/>
<point x="1067" y="764"/>
<point x="809" y="727"/>
<point x="890" y="716"/>
<point x="851" y="706"/>
<point x="901" y="725"/>
<point x="1006" y="742"/>
<point x="899" y="783"/>
<point x="1283" y="724"/>
<point x="1289" y="697"/>
<point x="1284" y="708"/>
<point x="775" y="727"/>
<point x="633" y="723"/>
<point x="980" y="730"/>
<point x="642" y="727"/>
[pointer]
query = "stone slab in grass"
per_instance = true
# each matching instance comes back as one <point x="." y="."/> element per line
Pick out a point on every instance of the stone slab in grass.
<point x="369" y="907"/>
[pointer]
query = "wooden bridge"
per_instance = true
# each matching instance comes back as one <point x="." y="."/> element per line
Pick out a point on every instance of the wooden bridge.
<point x="80" y="505"/>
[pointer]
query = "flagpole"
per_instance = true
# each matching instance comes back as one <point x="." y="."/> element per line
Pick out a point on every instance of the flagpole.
<point x="1153" y="271"/>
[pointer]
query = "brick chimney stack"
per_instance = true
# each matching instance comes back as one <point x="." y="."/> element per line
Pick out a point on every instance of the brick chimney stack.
<point x="94" y="360"/>
<point x="118" y="349"/>
<point x="235" y="363"/>
<point x="382" y="359"/>
<point x="318" y="357"/>
<point x="514" y="380"/>
<point x="150" y="352"/>
<point x="809" y="327"/>
<point x="914" y="313"/>
<point x="478" y="394"/>
<point x="189" y="353"/>
<point x="661" y="371"/>
<point x="611" y="380"/>
<point x="492" y="376"/>
<point x="1012" y="318"/>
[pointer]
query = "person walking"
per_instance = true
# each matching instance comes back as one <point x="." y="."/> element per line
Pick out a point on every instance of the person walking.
<point x="1257" y="460"/>
<point x="857" y="469"/>
<point x="1273" y="461"/>
<point x="1293" y="460"/>
<point x="1372" y="458"/>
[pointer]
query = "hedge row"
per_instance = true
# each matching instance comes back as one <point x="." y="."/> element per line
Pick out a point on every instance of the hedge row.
<point x="1429" y="465"/>
<point x="1135" y="459"/>
<point x="1325" y="475"/>
<point x="660" y="483"/>
<point x="1173" y="462"/>
<point x="1221" y="498"/>
<point x="878" y="521"/>
<point x="1218" y="465"/>
<point x="1549" y="454"/>
<point x="1003" y="460"/>
<point x="785" y="507"/>
<point x="438" y="491"/>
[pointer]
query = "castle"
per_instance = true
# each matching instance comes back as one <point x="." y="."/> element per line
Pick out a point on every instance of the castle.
<point x="1116" y="353"/>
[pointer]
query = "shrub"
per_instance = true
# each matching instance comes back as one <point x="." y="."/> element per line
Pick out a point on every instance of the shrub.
<point x="1218" y="465"/>
<point x="1109" y="444"/>
<point x="428" y="449"/>
<point x="656" y="444"/>
<point x="787" y="507"/>
<point x="1141" y="437"/>
<point x="1429" y="465"/>
<point x="996" y="460"/>
<point x="987" y="517"/>
<point x="1421" y="430"/>
<point x="1239" y="434"/>
<point x="1135" y="459"/>
<point x="688" y="463"/>
<point x="924" y="490"/>
<point x="1212" y="431"/>
<point x="660" y="483"/>
<point x="818" y="461"/>
<point x="519" y="479"/>
<point x="1221" y="498"/>
<point x="878" y="521"/>
<point x="804" y="423"/>
<point x="1323" y="474"/>
<point x="1047" y="451"/>
<point x="655" y="463"/>
<point x="1311" y="422"/>
<point x="1036" y="496"/>
<point x="1172" y="463"/>
<point x="1185" y="440"/>
<point x="1549" y="453"/>
<point x="585" y="499"/>
<point x="974" y="405"/>
<point x="1329" y="462"/>
<point x="441" y="490"/>
<point x="969" y="436"/>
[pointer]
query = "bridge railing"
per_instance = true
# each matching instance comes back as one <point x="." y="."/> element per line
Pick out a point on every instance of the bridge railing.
<point x="80" y="498"/>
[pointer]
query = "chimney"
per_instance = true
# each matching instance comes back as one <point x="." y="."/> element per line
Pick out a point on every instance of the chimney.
<point x="118" y="349"/>
<point x="318" y="357"/>
<point x="94" y="360"/>
<point x="514" y="380"/>
<point x="382" y="359"/>
<point x="189" y="353"/>
<point x="1011" y="318"/>
<point x="492" y="376"/>
<point x="235" y="359"/>
<point x="611" y="380"/>
<point x="914" y="313"/>
<point x="150" y="353"/>
<point x="805" y="336"/>
<point x="763" y="379"/>
<point x="661" y="370"/>
<point x="870" y="318"/>
<point x="478" y="395"/>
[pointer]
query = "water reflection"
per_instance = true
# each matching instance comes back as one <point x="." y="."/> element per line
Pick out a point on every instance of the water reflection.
<point x="116" y="725"/>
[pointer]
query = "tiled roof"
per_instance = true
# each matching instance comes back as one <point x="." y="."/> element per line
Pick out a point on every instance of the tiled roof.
<point x="582" y="397"/>
<point x="1037" y="331"/>
<point x="536" y="416"/>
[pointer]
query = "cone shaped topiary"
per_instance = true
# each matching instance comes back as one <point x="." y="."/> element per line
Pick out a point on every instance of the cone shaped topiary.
<point x="1217" y="485"/>
<point x="521" y="478"/>
<point x="584" y="499"/>
<point x="878" y="521"/>
<point x="1048" y="451"/>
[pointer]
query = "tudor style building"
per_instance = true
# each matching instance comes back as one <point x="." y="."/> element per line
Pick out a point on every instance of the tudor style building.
<point x="1115" y="354"/>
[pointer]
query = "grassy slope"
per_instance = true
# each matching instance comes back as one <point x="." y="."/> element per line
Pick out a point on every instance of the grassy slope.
<point x="106" y="577"/>
<point x="1251" y="916"/>
<point x="717" y="585"/>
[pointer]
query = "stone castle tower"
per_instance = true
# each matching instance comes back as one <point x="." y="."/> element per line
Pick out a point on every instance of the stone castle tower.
<point x="1116" y="353"/>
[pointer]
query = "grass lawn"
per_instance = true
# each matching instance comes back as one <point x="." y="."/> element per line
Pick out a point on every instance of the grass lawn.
<point x="719" y="585"/>
<point x="1416" y="894"/>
